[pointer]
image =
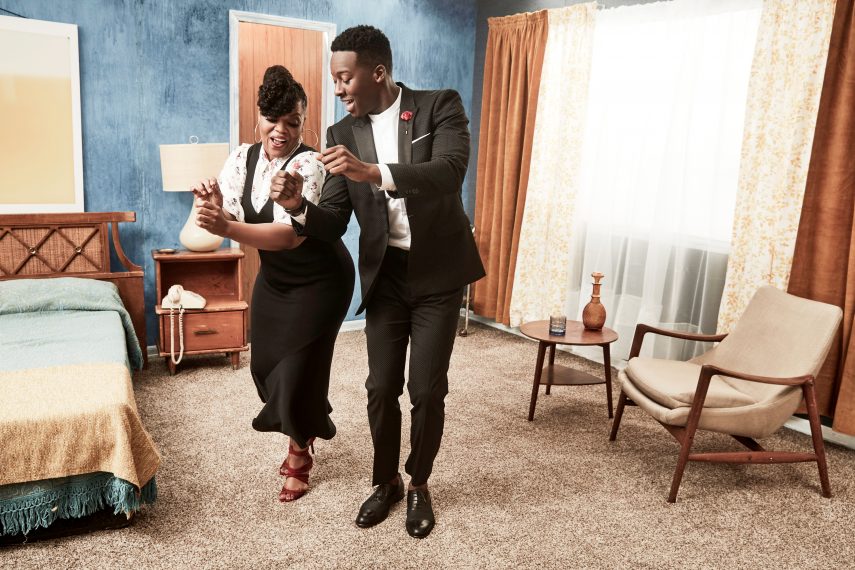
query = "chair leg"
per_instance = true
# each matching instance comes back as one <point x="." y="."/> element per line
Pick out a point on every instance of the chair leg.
<point x="465" y="330"/>
<point x="685" y="447"/>
<point x="691" y="428"/>
<point x="618" y="415"/>
<point x="816" y="434"/>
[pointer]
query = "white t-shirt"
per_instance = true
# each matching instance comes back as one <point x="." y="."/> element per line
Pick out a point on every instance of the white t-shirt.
<point x="384" y="126"/>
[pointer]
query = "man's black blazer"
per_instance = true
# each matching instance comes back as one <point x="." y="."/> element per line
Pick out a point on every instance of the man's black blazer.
<point x="433" y="153"/>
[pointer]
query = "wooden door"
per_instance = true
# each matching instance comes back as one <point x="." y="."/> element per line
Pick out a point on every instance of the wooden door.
<point x="302" y="51"/>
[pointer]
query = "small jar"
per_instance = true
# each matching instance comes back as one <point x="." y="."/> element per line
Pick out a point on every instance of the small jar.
<point x="557" y="325"/>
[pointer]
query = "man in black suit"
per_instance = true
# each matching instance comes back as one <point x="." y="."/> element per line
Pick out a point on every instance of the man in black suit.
<point x="397" y="161"/>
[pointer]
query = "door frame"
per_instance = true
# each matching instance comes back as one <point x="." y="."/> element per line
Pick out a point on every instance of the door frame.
<point x="327" y="95"/>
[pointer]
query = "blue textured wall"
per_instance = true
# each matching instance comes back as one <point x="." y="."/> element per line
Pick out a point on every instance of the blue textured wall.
<point x="157" y="71"/>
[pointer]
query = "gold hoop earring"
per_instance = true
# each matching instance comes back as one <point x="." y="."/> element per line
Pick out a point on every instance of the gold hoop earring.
<point x="255" y="134"/>
<point x="317" y="138"/>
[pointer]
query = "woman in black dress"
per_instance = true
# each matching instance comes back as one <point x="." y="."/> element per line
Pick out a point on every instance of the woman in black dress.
<point x="304" y="287"/>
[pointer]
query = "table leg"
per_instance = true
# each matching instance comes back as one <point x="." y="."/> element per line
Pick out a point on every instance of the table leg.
<point x="607" y="363"/>
<point x="538" y="370"/>
<point x="235" y="356"/>
<point x="551" y="364"/>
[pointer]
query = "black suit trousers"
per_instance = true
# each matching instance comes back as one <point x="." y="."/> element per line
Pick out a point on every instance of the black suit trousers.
<point x="394" y="319"/>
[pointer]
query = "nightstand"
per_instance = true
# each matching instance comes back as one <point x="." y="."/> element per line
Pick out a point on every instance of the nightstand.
<point x="220" y="327"/>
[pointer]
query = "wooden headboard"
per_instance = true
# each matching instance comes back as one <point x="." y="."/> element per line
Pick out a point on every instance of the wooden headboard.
<point x="72" y="245"/>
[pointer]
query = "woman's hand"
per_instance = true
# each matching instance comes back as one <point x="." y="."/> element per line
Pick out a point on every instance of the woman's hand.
<point x="209" y="191"/>
<point x="210" y="216"/>
<point x="286" y="189"/>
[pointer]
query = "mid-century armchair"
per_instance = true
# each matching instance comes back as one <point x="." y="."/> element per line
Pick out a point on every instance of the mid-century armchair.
<point x="747" y="386"/>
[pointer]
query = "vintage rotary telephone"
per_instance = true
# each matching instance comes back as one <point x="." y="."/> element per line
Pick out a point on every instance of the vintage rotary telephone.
<point x="179" y="298"/>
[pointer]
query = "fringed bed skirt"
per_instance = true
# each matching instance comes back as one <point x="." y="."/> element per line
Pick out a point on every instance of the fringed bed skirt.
<point x="37" y="504"/>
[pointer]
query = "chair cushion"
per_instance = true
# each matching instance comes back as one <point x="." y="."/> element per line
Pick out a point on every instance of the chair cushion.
<point x="757" y="420"/>
<point x="672" y="384"/>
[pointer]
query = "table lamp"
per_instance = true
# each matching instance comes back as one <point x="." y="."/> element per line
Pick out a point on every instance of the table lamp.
<point x="183" y="165"/>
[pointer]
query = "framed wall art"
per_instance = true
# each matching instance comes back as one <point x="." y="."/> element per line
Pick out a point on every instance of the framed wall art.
<point x="41" y="153"/>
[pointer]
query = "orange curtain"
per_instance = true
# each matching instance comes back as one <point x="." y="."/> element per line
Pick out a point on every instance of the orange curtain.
<point x="514" y="60"/>
<point x="824" y="260"/>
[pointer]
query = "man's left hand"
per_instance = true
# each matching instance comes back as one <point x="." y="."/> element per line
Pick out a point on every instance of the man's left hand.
<point x="339" y="160"/>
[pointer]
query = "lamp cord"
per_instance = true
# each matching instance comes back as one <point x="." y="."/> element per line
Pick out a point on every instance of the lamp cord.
<point x="13" y="13"/>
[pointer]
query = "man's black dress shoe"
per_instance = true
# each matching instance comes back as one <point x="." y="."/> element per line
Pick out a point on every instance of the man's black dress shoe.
<point x="375" y="509"/>
<point x="420" y="519"/>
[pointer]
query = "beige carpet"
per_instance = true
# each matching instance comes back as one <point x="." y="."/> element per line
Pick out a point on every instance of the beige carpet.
<point x="553" y="493"/>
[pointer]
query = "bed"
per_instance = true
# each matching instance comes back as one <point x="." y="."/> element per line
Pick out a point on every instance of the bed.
<point x="74" y="454"/>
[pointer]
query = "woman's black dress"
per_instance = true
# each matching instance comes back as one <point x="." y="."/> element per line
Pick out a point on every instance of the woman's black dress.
<point x="299" y="301"/>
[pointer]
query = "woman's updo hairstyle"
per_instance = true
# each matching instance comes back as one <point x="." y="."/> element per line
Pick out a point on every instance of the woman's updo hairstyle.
<point x="279" y="93"/>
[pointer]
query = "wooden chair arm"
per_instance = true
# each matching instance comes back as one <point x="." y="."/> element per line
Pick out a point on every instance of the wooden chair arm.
<point x="642" y="329"/>
<point x="710" y="370"/>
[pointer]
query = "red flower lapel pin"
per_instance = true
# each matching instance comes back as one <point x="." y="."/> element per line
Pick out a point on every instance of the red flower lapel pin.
<point x="406" y="115"/>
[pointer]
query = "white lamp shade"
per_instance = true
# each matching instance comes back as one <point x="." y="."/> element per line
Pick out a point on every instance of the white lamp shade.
<point x="183" y="165"/>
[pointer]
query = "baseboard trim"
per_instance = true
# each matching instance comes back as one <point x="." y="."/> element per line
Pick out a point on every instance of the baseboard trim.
<point x="595" y="357"/>
<point x="354" y="325"/>
<point x="801" y="425"/>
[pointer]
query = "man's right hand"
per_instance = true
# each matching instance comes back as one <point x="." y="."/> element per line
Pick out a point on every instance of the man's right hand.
<point x="339" y="160"/>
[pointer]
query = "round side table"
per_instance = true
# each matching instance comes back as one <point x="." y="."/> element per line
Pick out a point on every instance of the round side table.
<point x="558" y="375"/>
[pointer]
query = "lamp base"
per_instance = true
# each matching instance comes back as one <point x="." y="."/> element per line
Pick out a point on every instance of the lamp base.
<point x="195" y="238"/>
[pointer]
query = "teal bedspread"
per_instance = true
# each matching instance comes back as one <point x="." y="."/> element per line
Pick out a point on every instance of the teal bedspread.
<point x="55" y="338"/>
<point x="62" y="295"/>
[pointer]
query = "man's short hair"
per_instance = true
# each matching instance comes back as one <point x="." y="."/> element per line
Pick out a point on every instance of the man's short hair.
<point x="370" y="44"/>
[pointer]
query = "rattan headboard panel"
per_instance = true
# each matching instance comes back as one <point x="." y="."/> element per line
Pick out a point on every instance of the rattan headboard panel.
<point x="53" y="249"/>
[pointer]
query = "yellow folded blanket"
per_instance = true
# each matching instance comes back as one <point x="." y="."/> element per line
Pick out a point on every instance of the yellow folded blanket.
<point x="69" y="420"/>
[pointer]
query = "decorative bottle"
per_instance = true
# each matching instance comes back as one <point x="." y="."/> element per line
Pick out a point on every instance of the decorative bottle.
<point x="594" y="314"/>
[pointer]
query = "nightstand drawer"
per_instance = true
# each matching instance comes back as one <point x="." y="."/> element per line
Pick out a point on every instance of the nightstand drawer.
<point x="221" y="330"/>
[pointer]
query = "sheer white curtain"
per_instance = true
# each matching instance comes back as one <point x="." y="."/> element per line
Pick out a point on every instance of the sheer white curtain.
<point x="660" y="165"/>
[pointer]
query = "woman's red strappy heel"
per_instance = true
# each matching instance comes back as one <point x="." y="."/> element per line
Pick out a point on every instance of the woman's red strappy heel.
<point x="300" y="473"/>
<point x="283" y="469"/>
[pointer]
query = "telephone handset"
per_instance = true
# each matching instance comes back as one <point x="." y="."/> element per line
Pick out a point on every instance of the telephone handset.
<point x="179" y="298"/>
